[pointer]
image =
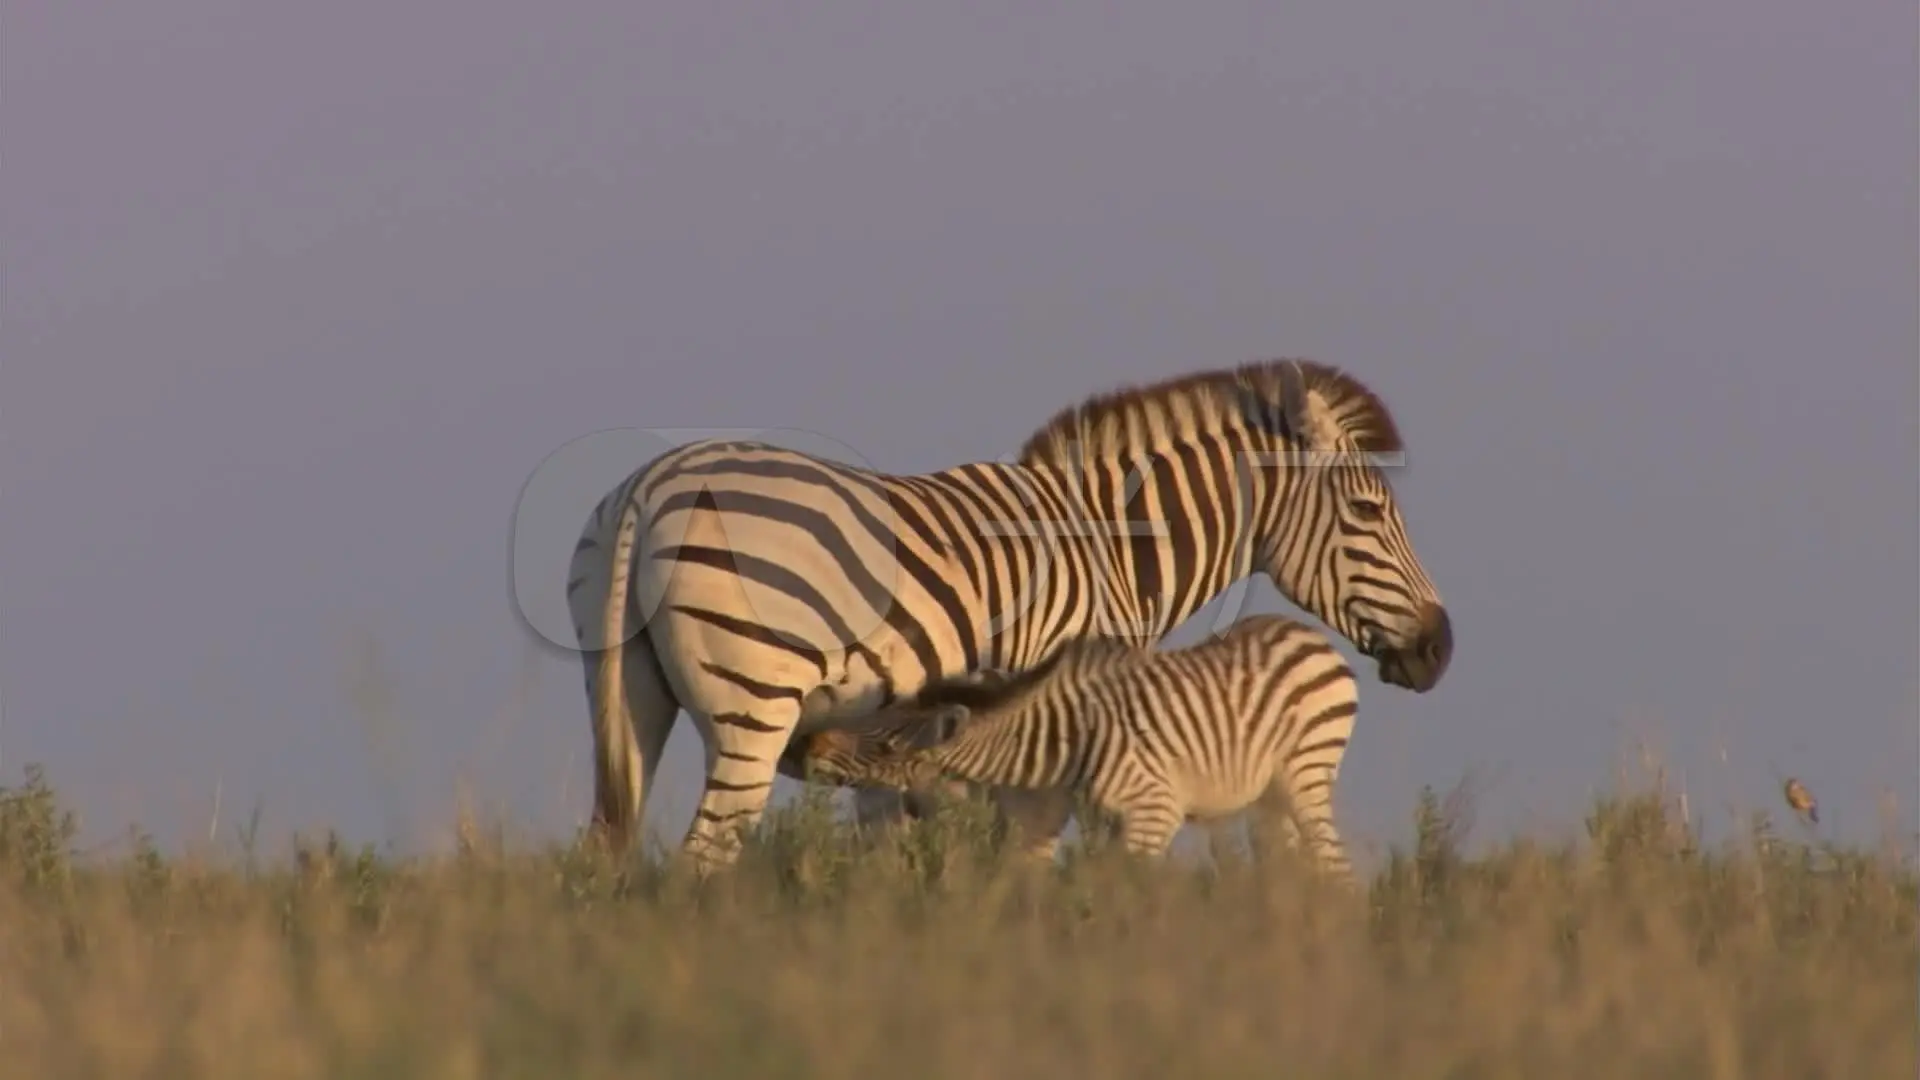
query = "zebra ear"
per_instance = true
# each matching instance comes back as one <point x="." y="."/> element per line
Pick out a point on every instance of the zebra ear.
<point x="1315" y="423"/>
<point x="1309" y="415"/>
<point x="949" y="720"/>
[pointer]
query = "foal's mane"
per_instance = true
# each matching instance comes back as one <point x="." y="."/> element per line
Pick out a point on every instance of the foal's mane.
<point x="978" y="695"/>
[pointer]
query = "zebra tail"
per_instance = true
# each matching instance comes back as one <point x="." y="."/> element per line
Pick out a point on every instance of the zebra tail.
<point x="616" y="753"/>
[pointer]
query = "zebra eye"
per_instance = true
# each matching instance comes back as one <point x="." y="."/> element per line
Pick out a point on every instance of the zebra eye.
<point x="1368" y="510"/>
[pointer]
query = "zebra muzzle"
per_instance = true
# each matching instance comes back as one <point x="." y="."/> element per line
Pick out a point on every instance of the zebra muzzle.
<point x="1419" y="665"/>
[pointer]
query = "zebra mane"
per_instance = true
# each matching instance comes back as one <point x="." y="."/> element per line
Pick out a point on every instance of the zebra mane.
<point x="1134" y="419"/>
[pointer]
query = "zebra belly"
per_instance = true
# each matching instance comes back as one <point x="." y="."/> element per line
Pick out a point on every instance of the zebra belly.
<point x="1211" y="797"/>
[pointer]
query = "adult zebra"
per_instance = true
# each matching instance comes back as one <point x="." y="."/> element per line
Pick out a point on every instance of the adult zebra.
<point x="769" y="591"/>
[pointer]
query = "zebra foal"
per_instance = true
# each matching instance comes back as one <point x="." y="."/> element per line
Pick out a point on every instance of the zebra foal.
<point x="1258" y="714"/>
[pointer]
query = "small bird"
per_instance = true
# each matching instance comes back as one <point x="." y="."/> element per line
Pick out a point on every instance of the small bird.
<point x="1801" y="800"/>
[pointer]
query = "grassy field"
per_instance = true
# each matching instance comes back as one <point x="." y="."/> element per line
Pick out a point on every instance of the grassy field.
<point x="1629" y="951"/>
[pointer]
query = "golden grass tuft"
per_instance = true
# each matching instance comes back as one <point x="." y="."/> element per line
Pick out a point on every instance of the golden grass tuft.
<point x="1633" y="950"/>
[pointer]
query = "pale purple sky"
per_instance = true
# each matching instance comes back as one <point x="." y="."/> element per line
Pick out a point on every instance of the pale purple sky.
<point x="297" y="298"/>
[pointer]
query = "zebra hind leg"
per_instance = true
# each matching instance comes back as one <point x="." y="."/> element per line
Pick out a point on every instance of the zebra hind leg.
<point x="743" y="754"/>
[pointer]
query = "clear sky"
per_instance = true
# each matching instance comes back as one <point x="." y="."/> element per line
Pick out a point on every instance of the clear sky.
<point x="297" y="298"/>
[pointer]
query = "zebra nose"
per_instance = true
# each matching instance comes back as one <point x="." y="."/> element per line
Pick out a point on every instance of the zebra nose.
<point x="1435" y="646"/>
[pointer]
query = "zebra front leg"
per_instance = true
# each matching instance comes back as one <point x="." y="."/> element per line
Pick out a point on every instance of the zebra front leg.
<point x="743" y="754"/>
<point x="1309" y="815"/>
<point x="1323" y="840"/>
<point x="876" y="809"/>
<point x="1332" y="853"/>
<point x="1219" y="837"/>
<point x="879" y="808"/>
<point x="1272" y="816"/>
<point x="1035" y="819"/>
<point x="1148" y="828"/>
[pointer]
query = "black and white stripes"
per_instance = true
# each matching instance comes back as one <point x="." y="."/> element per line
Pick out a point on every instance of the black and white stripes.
<point x="1261" y="712"/>
<point x="767" y="591"/>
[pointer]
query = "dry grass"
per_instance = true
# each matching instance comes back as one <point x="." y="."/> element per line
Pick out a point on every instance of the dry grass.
<point x="1632" y="951"/>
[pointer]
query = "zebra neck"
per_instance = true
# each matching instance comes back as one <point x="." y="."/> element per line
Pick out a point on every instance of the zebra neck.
<point x="1154" y="564"/>
<point x="1124" y="557"/>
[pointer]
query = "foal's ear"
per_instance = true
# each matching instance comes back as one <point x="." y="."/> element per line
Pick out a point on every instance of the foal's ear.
<point x="977" y="677"/>
<point x="948" y="721"/>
